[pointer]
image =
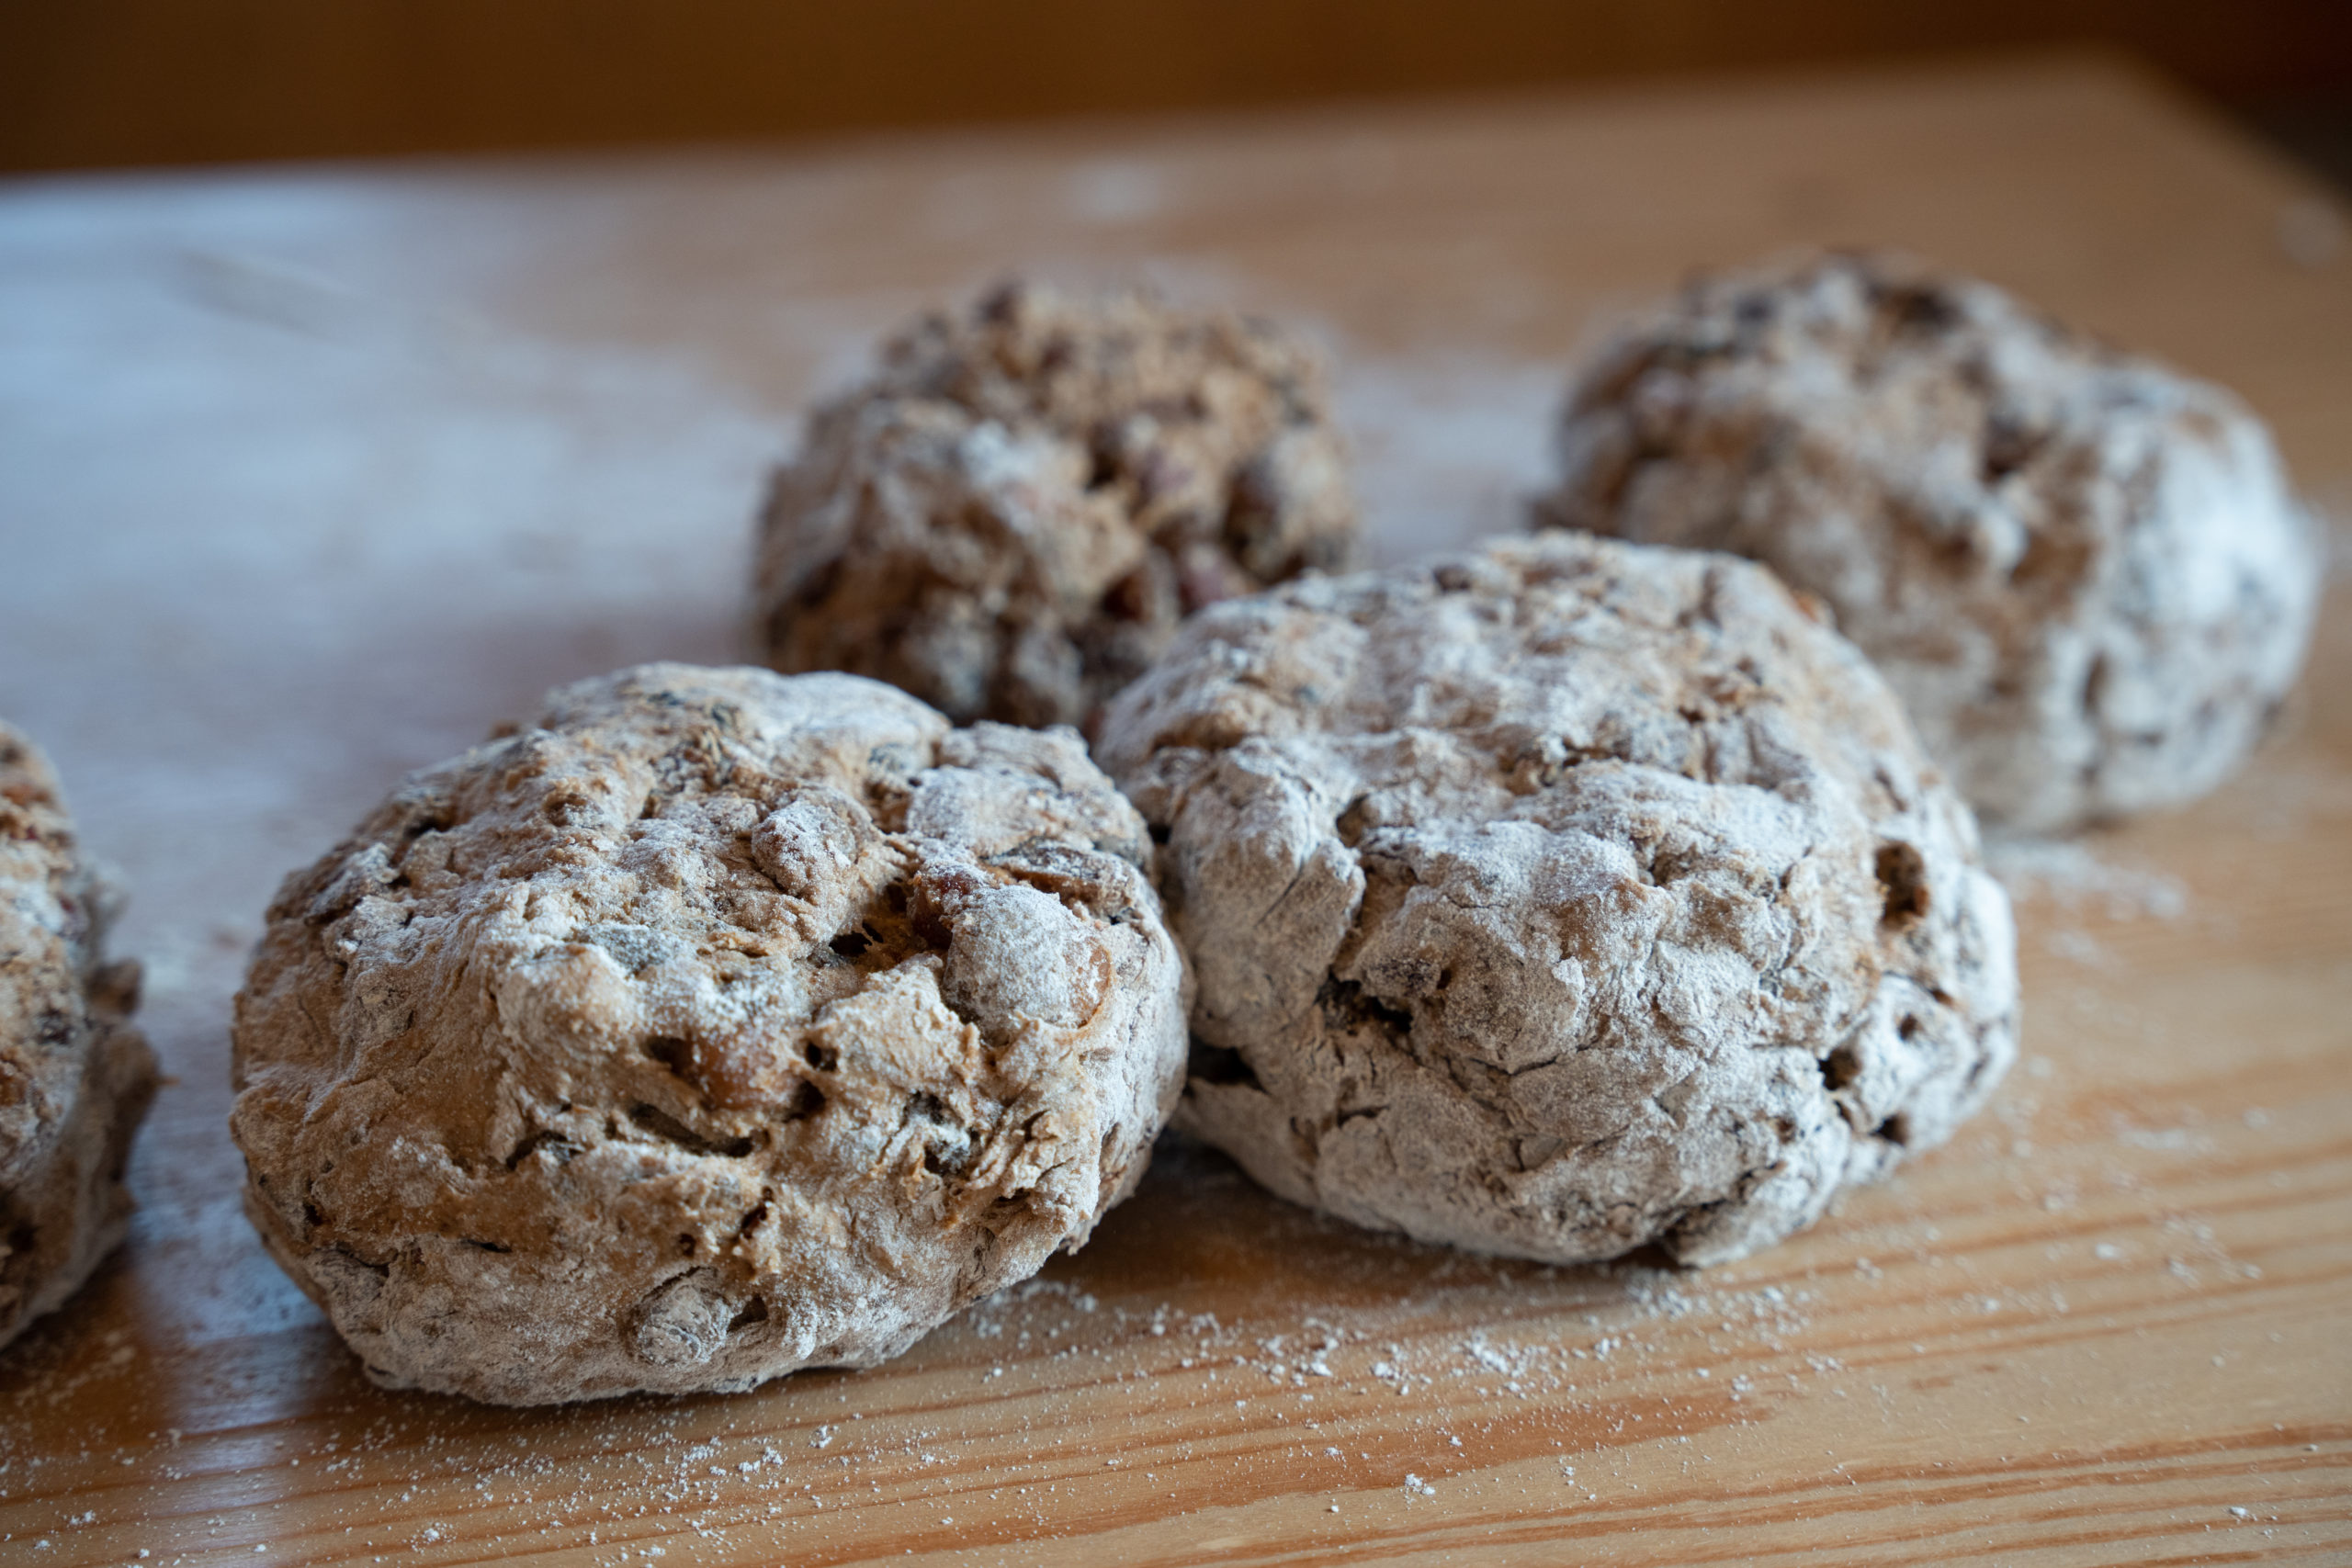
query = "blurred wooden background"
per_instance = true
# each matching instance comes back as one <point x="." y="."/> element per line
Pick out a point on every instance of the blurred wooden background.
<point x="111" y="83"/>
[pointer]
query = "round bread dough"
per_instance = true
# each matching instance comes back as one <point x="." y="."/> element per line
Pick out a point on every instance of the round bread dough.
<point x="1560" y="898"/>
<point x="1011" y="517"/>
<point x="2084" y="573"/>
<point x="724" y="1023"/>
<point x="76" y="1077"/>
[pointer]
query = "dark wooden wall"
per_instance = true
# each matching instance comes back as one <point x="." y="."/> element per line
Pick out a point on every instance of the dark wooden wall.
<point x="92" y="83"/>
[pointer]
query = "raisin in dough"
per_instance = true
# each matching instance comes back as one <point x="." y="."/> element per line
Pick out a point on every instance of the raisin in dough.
<point x="725" y="1022"/>
<point x="2084" y="573"/>
<point x="1011" y="517"/>
<point x="1563" y="897"/>
<point x="76" y="1077"/>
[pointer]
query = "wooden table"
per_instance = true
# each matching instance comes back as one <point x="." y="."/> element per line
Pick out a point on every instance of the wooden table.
<point x="309" y="477"/>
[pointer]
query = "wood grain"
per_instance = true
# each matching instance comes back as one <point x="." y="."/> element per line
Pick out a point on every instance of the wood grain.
<point x="305" y="479"/>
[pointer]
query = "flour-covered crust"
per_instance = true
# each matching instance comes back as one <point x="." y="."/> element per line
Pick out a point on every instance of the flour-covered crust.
<point x="2083" y="572"/>
<point x="722" y="1023"/>
<point x="1562" y="897"/>
<point x="1010" y="516"/>
<point x="76" y="1077"/>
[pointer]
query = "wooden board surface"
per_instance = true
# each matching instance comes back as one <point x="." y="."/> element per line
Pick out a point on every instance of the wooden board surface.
<point x="307" y="478"/>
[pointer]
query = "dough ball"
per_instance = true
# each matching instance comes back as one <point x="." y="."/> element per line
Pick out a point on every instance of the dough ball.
<point x="1563" y="897"/>
<point x="76" y="1077"/>
<point x="2084" y="573"/>
<point x="1009" y="518"/>
<point x="722" y="1023"/>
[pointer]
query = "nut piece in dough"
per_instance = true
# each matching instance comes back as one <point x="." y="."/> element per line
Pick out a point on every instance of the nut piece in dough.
<point x="1563" y="897"/>
<point x="723" y="1023"/>
<point x="2084" y="573"/>
<point x="1009" y="518"/>
<point x="76" y="1077"/>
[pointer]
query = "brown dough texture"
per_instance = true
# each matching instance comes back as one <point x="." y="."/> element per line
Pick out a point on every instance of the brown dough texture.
<point x="722" y="1023"/>
<point x="76" y="1077"/>
<point x="1563" y="897"/>
<point x="2084" y="573"/>
<point x="1009" y="518"/>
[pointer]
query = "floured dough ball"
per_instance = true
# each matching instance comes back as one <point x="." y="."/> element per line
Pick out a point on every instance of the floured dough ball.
<point x="76" y="1077"/>
<point x="1563" y="897"/>
<point x="721" y="1024"/>
<point x="1011" y="517"/>
<point x="2084" y="573"/>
